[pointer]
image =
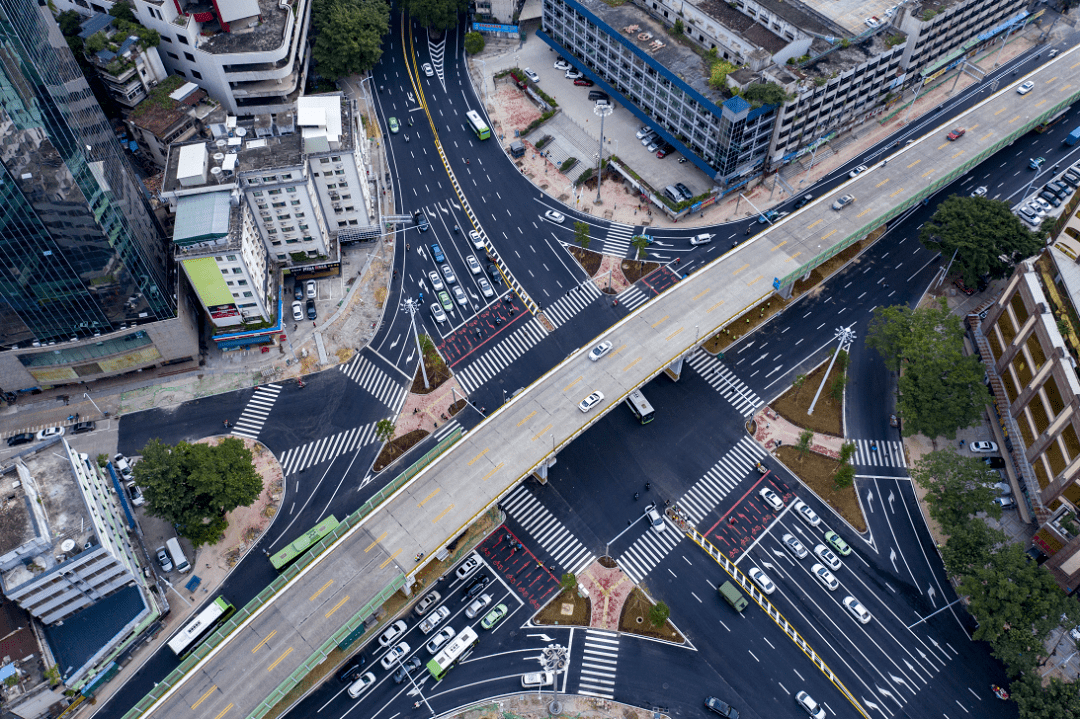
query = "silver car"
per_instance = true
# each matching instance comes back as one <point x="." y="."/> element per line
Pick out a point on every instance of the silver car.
<point x="459" y="296"/>
<point x="436" y="281"/>
<point x="474" y="265"/>
<point x="485" y="287"/>
<point x="478" y="605"/>
<point x="448" y="274"/>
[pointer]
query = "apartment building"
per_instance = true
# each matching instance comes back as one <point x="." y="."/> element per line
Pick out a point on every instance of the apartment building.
<point x="128" y="66"/>
<point x="249" y="55"/>
<point x="175" y="111"/>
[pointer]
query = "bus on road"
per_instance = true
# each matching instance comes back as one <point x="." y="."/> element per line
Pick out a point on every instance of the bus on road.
<point x="458" y="647"/>
<point x="286" y="556"/>
<point x="478" y="126"/>
<point x="640" y="406"/>
<point x="191" y="636"/>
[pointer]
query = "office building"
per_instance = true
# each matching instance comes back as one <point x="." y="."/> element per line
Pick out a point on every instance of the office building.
<point x="87" y="287"/>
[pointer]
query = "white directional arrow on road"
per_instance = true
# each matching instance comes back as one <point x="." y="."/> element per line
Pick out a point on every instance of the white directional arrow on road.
<point x="892" y="558"/>
<point x="408" y="360"/>
<point x="870" y="500"/>
<point x="891" y="498"/>
<point x="778" y="553"/>
<point x="931" y="592"/>
<point x="869" y="703"/>
<point x="395" y="342"/>
<point x="543" y="637"/>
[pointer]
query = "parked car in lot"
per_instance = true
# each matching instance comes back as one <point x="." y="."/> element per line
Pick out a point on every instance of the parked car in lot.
<point x="311" y="313"/>
<point x="561" y="64"/>
<point x="297" y="311"/>
<point x="164" y="560"/>
<point x="983" y="446"/>
<point x="82" y="427"/>
<point x="684" y="190"/>
<point x="584" y="82"/>
<point x="573" y="74"/>
<point x="50" y="432"/>
<point x="531" y="75"/>
<point x="21" y="438"/>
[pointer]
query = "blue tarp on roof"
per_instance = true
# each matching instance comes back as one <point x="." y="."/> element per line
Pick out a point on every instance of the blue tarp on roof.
<point x="94" y="24"/>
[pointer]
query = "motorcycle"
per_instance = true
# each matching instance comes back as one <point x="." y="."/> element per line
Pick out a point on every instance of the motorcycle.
<point x="999" y="692"/>
<point x="761" y="468"/>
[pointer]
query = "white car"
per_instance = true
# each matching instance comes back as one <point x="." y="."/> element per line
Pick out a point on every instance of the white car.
<point x="843" y="201"/>
<point x="600" y="350"/>
<point x="655" y="520"/>
<point x="703" y="239"/>
<point x="137" y="498"/>
<point x="771" y="498"/>
<point x="297" y="311"/>
<point x="459" y="296"/>
<point x="448" y="273"/>
<point x="122" y="465"/>
<point x="983" y="446"/>
<point x="365" y="681"/>
<point x="762" y="580"/>
<point x="979" y="191"/>
<point x="394" y="655"/>
<point x="478" y="605"/>
<point x="474" y="265"/>
<point x="794" y="545"/>
<point x="436" y="281"/>
<point x="645" y="130"/>
<point x="554" y="216"/>
<point x="812" y="708"/>
<point x="437" y="617"/>
<point x="1025" y="88"/>
<point x="392" y="632"/>
<point x="427" y="69"/>
<point x="591" y="401"/>
<point x="857" y="609"/>
<point x="1036" y="208"/>
<point x="485" y="287"/>
<point x="532" y="75"/>
<point x="561" y="64"/>
<point x="50" y="432"/>
<point x="445" y="634"/>
<point x="826" y="555"/>
<point x="803" y="509"/>
<point x="468" y="566"/>
<point x="573" y="74"/>
<point x="477" y="240"/>
<point x="857" y="171"/>
<point x="312" y="290"/>
<point x="438" y="312"/>
<point x="164" y="560"/>
<point x="1042" y="204"/>
<point x="825" y="577"/>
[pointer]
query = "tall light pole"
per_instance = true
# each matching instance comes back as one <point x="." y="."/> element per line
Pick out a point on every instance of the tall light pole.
<point x="87" y="395"/>
<point x="603" y="111"/>
<point x="412" y="307"/>
<point x="845" y="336"/>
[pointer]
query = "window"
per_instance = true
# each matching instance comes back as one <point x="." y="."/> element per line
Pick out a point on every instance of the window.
<point x="247" y="294"/>
<point x="229" y="283"/>
<point x="331" y="186"/>
<point x="237" y="271"/>
<point x="296" y="202"/>
<point x="290" y="189"/>
<point x="174" y="56"/>
<point x="336" y="159"/>
<point x="257" y="193"/>
<point x="346" y="196"/>
<point x="274" y="192"/>
<point x="277" y="204"/>
<point x="324" y="160"/>
<point x="342" y="223"/>
<point x="242" y="283"/>
<point x="276" y="243"/>
<point x="339" y="172"/>
<point x="181" y="73"/>
<point x="166" y="38"/>
<point x="196" y="74"/>
<point x="281" y="257"/>
<point x="189" y="57"/>
<point x="230" y="258"/>
<point x="182" y="40"/>
<point x="303" y="227"/>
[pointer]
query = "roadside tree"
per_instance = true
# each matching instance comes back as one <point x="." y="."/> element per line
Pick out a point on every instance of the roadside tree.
<point x="436" y="14"/>
<point x="658" y="614"/>
<point x="350" y="33"/>
<point x="474" y="43"/>
<point x="1056" y="700"/>
<point x="581" y="235"/>
<point x="640" y="243"/>
<point x="957" y="487"/>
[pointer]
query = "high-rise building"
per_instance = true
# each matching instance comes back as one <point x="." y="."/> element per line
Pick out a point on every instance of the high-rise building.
<point x="87" y="285"/>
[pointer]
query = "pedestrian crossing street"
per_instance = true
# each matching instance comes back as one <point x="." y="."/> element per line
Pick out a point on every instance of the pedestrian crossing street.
<point x="562" y="546"/>
<point x="364" y="372"/>
<point x="708" y="491"/>
<point x="257" y="410"/>
<point x="647" y="551"/>
<point x="721" y="378"/>
<point x="632" y="297"/>
<point x="499" y="356"/>
<point x="598" y="663"/>
<point x="890" y="453"/>
<point x="617" y="240"/>
<point x="321" y="450"/>
<point x="563" y="309"/>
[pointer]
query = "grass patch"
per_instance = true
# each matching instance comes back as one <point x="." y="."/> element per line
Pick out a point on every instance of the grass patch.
<point x="437" y="373"/>
<point x="817" y="472"/>
<point x="568" y="608"/>
<point x="635" y="619"/>
<point x="828" y="413"/>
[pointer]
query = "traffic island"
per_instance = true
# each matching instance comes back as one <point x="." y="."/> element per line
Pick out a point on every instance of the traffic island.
<point x="638" y="614"/>
<point x="818" y="473"/>
<point x="828" y="416"/>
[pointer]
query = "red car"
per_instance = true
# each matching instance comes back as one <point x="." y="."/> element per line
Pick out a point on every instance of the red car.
<point x="583" y="82"/>
<point x="963" y="288"/>
<point x="662" y="153"/>
<point x="957" y="133"/>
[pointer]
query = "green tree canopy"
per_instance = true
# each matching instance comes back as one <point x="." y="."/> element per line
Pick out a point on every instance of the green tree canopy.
<point x="1057" y="700"/>
<point x="474" y="42"/>
<point x="194" y="486"/>
<point x="350" y="33"/>
<point x="658" y="614"/>
<point x="581" y="234"/>
<point x="122" y="11"/>
<point x="987" y="237"/>
<point x="436" y="14"/>
<point x="970" y="545"/>
<point x="70" y="22"/>
<point x="767" y="93"/>
<point x="957" y="487"/>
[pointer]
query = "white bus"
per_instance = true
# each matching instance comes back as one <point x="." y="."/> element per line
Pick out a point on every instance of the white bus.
<point x="640" y="406"/>
<point x="454" y="651"/>
<point x="478" y="125"/>
<point x="209" y="619"/>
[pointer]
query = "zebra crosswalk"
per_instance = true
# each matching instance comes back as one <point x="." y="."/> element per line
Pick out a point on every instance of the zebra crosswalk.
<point x="889" y="453"/>
<point x="647" y="551"/>
<point x="256" y="411"/>
<point x="321" y="450"/>
<point x="364" y="372"/>
<point x="562" y="546"/>
<point x="577" y="299"/>
<point x="501" y="355"/>
<point x="632" y="297"/>
<point x="721" y="378"/>
<point x="724" y="476"/>
<point x="599" y="661"/>
<point x="617" y="240"/>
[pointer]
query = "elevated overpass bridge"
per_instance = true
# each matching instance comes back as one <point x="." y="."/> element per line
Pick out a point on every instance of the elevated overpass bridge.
<point x="294" y="624"/>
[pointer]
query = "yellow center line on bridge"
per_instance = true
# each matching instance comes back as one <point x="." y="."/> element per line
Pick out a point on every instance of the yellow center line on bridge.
<point x="336" y="607"/>
<point x="429" y="497"/>
<point x="279" y="660"/>
<point x="1065" y="87"/>
<point x="673" y="334"/>
<point x="927" y="173"/>
<point x="714" y="307"/>
<point x="1055" y="77"/>
<point x="260" y="645"/>
<point x="389" y="559"/>
<point x="322" y="589"/>
<point x="942" y="146"/>
<point x="529" y="416"/>
<point x="740" y="269"/>
<point x="1001" y="111"/>
<point x="203" y="697"/>
<point x="224" y="711"/>
<point x="815" y="223"/>
<point x="886" y="181"/>
<point x="699" y="295"/>
<point x="987" y="136"/>
<point x="754" y="280"/>
<point x="792" y="258"/>
<point x="898" y="191"/>
<point x="1014" y="119"/>
<point x="377" y="540"/>
<point x="541" y="433"/>
<point x="778" y="246"/>
<point x="627" y="367"/>
<point x="956" y="155"/>
<point x="972" y="127"/>
<point x="660" y="321"/>
<point x="443" y="513"/>
<point x="1040" y="103"/>
<point x="478" y="457"/>
<point x="913" y="164"/>
<point x="493" y="471"/>
<point x="573" y="383"/>
<point x="618" y="350"/>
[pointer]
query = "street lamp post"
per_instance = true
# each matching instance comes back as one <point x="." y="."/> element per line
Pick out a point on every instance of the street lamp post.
<point x="87" y="395"/>
<point x="412" y="307"/>
<point x="603" y="111"/>
<point x="845" y="336"/>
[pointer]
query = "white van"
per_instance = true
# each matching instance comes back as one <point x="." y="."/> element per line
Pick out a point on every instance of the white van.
<point x="178" y="557"/>
<point x="537" y="679"/>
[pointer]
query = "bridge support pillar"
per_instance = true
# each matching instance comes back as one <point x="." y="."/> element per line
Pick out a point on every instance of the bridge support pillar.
<point x="674" y="370"/>
<point x="786" y="290"/>
<point x="541" y="472"/>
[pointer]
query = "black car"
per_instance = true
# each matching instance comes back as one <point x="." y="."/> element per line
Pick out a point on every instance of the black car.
<point x="350" y="672"/>
<point x="995" y="462"/>
<point x="1051" y="198"/>
<point x="803" y="201"/>
<point x="476" y="587"/>
<point x="311" y="309"/>
<point x="298" y="290"/>
<point x="721" y="707"/>
<point x="684" y="190"/>
<point x="22" y="438"/>
<point x="1071" y="178"/>
<point x="406" y="669"/>
<point x="1058" y="188"/>
<point x="421" y="221"/>
<point x="82" y="427"/>
<point x="493" y="270"/>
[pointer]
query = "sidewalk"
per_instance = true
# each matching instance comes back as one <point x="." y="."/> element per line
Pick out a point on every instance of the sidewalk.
<point x="607" y="590"/>
<point x="773" y="430"/>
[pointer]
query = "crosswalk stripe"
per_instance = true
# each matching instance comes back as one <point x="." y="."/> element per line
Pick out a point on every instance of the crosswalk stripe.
<point x="890" y="453"/>
<point x="372" y="379"/>
<point x="326" y="448"/>
<point x="501" y="355"/>
<point x="257" y="409"/>
<point x="722" y="379"/>
<point x="555" y="538"/>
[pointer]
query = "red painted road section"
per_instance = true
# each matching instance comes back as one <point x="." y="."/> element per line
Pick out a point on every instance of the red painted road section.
<point x="492" y="322"/>
<point x="737" y="528"/>
<point x="521" y="569"/>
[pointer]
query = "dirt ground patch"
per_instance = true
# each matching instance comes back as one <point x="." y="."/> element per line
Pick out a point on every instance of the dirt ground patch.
<point x="568" y="608"/>
<point x="588" y="259"/>
<point x="634" y="270"/>
<point x="828" y="413"/>
<point x="817" y="472"/>
<point x="635" y="619"/>
<point x="457" y="407"/>
<point x="437" y="373"/>
<point x="397" y="447"/>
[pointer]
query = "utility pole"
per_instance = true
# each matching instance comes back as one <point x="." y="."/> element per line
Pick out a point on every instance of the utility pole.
<point x="412" y="307"/>
<point x="603" y="111"/>
<point x="845" y="336"/>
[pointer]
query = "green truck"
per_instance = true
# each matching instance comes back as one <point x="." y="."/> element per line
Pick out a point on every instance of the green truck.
<point x="732" y="596"/>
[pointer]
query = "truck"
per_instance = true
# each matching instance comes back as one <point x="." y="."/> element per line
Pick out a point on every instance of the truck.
<point x="517" y="149"/>
<point x="1073" y="137"/>
<point x="732" y="596"/>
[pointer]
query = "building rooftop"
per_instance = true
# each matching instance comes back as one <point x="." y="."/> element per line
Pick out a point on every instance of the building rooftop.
<point x="94" y="24"/>
<point x="160" y="111"/>
<point x="265" y="31"/>
<point x="44" y="520"/>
